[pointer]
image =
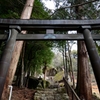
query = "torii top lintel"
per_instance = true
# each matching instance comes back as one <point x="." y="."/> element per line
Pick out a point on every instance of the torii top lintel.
<point x="30" y="24"/>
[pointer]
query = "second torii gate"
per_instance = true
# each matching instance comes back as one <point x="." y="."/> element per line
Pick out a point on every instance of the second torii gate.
<point x="17" y="25"/>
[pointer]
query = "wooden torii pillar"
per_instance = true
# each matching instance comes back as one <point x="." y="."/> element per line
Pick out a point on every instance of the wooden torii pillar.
<point x="93" y="54"/>
<point x="7" y="54"/>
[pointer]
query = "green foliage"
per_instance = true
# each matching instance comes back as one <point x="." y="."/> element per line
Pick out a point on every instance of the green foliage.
<point x="98" y="46"/>
<point x="69" y="9"/>
<point x="59" y="76"/>
<point x="36" y="54"/>
<point x="11" y="8"/>
<point x="39" y="10"/>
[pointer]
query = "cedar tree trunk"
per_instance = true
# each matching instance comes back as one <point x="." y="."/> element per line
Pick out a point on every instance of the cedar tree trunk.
<point x="26" y="13"/>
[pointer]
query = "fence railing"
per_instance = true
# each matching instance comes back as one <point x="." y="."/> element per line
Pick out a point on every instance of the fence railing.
<point x="70" y="91"/>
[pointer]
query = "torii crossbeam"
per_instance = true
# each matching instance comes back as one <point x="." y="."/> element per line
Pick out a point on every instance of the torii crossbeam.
<point x="30" y="24"/>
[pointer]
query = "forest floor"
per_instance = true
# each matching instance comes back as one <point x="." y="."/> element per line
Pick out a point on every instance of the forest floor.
<point x="23" y="94"/>
<point x="95" y="90"/>
<point x="28" y="94"/>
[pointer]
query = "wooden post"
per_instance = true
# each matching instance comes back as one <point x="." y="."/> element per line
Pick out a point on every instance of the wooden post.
<point x="6" y="58"/>
<point x="93" y="54"/>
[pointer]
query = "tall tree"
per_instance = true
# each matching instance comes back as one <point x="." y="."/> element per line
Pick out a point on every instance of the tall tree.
<point x="26" y="13"/>
<point x="84" y="88"/>
<point x="79" y="9"/>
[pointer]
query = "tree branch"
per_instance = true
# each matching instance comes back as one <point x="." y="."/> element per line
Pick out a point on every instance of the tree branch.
<point x="73" y="6"/>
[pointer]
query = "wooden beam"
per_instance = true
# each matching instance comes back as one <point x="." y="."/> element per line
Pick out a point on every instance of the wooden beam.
<point x="28" y="37"/>
<point x="49" y="22"/>
<point x="30" y="24"/>
<point x="6" y="59"/>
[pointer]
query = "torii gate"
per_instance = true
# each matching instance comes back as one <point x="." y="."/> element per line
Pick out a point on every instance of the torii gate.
<point x="17" y="25"/>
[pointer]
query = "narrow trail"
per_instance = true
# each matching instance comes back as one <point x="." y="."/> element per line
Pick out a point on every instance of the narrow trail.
<point x="51" y="94"/>
<point x="39" y="94"/>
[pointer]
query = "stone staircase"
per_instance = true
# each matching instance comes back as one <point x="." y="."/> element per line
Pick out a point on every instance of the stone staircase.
<point x="51" y="94"/>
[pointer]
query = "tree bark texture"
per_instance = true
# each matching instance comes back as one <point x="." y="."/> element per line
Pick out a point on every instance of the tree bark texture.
<point x="84" y="88"/>
<point x="84" y="79"/>
<point x="22" y="68"/>
<point x="5" y="61"/>
<point x="26" y="13"/>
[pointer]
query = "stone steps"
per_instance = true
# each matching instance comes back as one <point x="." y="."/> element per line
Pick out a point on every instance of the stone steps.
<point x="51" y="94"/>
